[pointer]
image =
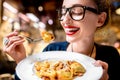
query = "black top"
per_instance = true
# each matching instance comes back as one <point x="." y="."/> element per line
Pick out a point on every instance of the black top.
<point x="105" y="53"/>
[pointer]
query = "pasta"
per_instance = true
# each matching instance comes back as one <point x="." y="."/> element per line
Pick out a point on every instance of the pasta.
<point x="58" y="70"/>
<point x="46" y="36"/>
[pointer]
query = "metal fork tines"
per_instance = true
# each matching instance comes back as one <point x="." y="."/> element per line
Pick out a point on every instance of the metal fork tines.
<point x="33" y="40"/>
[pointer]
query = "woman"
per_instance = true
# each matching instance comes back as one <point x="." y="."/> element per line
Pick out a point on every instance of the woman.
<point x="80" y="19"/>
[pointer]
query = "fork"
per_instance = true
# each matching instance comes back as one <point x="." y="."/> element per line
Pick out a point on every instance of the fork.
<point x="31" y="40"/>
<point x="46" y="36"/>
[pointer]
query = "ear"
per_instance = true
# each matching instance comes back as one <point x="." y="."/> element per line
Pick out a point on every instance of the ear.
<point x="101" y="19"/>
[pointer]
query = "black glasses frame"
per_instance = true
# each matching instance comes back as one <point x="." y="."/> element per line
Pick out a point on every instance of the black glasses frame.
<point x="69" y="10"/>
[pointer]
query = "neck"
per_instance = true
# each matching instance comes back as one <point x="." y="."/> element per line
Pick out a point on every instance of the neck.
<point x="85" y="47"/>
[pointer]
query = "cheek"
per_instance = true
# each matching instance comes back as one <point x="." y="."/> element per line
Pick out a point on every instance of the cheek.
<point x="61" y="23"/>
<point x="88" y="27"/>
<point x="90" y="22"/>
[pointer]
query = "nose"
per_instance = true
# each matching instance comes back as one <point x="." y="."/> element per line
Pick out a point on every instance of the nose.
<point x="67" y="18"/>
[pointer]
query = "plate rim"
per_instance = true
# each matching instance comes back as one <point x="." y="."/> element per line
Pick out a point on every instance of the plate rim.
<point x="54" y="52"/>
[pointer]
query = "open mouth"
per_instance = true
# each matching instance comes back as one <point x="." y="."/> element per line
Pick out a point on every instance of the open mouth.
<point x="71" y="31"/>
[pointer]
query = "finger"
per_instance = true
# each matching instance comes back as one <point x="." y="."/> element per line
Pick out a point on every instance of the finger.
<point x="10" y="49"/>
<point x="101" y="63"/>
<point x="14" y="39"/>
<point x="14" y="33"/>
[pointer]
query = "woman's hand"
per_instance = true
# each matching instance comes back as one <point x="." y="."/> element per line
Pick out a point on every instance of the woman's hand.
<point x="104" y="65"/>
<point x="15" y="47"/>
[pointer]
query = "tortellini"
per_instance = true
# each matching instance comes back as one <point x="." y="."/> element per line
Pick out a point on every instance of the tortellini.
<point x="58" y="69"/>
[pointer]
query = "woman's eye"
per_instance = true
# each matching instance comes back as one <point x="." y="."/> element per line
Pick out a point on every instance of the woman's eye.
<point x="77" y="10"/>
<point x="77" y="13"/>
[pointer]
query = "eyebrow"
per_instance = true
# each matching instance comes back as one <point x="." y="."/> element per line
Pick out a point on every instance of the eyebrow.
<point x="75" y="5"/>
<point x="94" y="10"/>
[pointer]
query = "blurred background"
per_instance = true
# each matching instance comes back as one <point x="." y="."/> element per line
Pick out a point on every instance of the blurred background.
<point x="29" y="17"/>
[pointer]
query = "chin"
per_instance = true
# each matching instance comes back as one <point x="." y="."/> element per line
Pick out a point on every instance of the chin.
<point x="70" y="39"/>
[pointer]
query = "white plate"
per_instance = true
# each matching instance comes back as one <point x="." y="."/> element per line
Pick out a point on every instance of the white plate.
<point x="25" y="70"/>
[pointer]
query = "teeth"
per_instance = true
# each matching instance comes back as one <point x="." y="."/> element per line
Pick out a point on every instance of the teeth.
<point x="71" y="29"/>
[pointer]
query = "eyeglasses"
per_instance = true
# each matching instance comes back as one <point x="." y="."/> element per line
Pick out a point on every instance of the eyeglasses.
<point x="76" y="12"/>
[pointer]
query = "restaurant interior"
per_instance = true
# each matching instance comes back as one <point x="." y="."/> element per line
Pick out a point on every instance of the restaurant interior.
<point x="30" y="17"/>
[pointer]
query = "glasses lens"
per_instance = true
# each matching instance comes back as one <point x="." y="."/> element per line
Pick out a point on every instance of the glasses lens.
<point x="77" y="13"/>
